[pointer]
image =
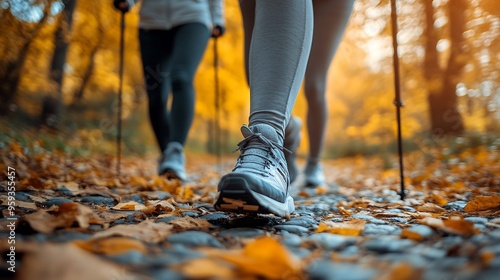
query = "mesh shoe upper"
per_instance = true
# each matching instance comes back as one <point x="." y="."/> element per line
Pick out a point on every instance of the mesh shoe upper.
<point x="262" y="162"/>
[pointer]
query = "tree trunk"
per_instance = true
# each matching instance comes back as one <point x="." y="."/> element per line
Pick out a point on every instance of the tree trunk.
<point x="9" y="81"/>
<point x="51" y="114"/>
<point x="89" y="70"/>
<point x="444" y="115"/>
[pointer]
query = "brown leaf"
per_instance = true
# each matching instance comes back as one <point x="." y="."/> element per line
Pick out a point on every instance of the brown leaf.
<point x="71" y="186"/>
<point x="401" y="271"/>
<point x="129" y="206"/>
<point x="438" y="199"/>
<point x="79" y="213"/>
<point x="67" y="214"/>
<point x="351" y="228"/>
<point x="158" y="207"/>
<point x="147" y="231"/>
<point x="68" y="262"/>
<point x="410" y="234"/>
<point x="455" y="225"/>
<point x="19" y="203"/>
<point x="430" y="207"/>
<point x="187" y="222"/>
<point x="111" y="246"/>
<point x="483" y="203"/>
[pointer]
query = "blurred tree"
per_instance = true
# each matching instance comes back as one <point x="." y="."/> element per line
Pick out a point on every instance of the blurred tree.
<point x="441" y="81"/>
<point x="94" y="44"/>
<point x="20" y="35"/>
<point x="52" y="103"/>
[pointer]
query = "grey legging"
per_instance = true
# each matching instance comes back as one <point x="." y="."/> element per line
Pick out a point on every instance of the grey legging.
<point x="278" y="37"/>
<point x="170" y="59"/>
<point x="330" y="21"/>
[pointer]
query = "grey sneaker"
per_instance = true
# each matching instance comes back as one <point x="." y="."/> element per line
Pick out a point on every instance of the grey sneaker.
<point x="173" y="162"/>
<point x="314" y="175"/>
<point x="292" y="142"/>
<point x="259" y="181"/>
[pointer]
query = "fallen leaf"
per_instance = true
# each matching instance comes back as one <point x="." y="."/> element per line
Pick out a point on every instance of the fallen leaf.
<point x="275" y="262"/>
<point x="207" y="269"/>
<point x="147" y="231"/>
<point x="71" y="186"/>
<point x="482" y="202"/>
<point x="410" y="234"/>
<point x="82" y="214"/>
<point x="67" y="214"/>
<point x="344" y="211"/>
<point x="129" y="205"/>
<point x="430" y="207"/>
<point x="401" y="271"/>
<point x="439" y="200"/>
<point x="19" y="203"/>
<point x="185" y="223"/>
<point x="184" y="193"/>
<point x="111" y="246"/>
<point x="487" y="257"/>
<point x="351" y="228"/>
<point x="68" y="262"/>
<point x="158" y="207"/>
<point x="453" y="226"/>
<point x="109" y="216"/>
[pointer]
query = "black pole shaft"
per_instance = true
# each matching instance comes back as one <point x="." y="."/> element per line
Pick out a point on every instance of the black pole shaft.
<point x="120" y="91"/>
<point x="397" y="87"/>
<point x="218" y="148"/>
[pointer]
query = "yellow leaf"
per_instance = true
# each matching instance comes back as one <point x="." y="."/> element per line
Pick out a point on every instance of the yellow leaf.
<point x="344" y="211"/>
<point x="207" y="269"/>
<point x="111" y="246"/>
<point x="458" y="185"/>
<point x="487" y="257"/>
<point x="439" y="200"/>
<point x="401" y="271"/>
<point x="483" y="203"/>
<point x="351" y="228"/>
<point x="184" y="193"/>
<point x="264" y="257"/>
<point x="407" y="233"/>
<point x="321" y="190"/>
<point x="322" y="227"/>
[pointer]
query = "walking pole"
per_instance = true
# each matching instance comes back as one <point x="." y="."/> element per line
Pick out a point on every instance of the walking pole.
<point x="218" y="148"/>
<point x="120" y="89"/>
<point x="397" y="101"/>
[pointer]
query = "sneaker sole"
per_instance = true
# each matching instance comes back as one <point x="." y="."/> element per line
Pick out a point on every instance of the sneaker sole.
<point x="238" y="197"/>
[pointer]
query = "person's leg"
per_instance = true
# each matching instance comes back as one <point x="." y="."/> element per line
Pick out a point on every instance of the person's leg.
<point x="247" y="8"/>
<point x="277" y="59"/>
<point x="292" y="132"/>
<point x="189" y="42"/>
<point x="278" y="51"/>
<point x="154" y="53"/>
<point x="330" y="21"/>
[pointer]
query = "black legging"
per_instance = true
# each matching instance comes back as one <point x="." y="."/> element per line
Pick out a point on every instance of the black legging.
<point x="170" y="59"/>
